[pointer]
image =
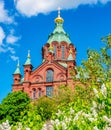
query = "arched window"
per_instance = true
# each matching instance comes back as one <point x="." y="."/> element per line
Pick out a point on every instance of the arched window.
<point x="39" y="93"/>
<point x="55" y="49"/>
<point x="49" y="75"/>
<point x="63" y="52"/>
<point x="34" y="93"/>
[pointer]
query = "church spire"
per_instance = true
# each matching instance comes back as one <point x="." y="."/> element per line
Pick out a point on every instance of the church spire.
<point x="59" y="19"/>
<point x="17" y="71"/>
<point x="59" y="33"/>
<point x="28" y="61"/>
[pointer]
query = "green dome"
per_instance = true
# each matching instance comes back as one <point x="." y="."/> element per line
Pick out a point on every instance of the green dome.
<point x="59" y="34"/>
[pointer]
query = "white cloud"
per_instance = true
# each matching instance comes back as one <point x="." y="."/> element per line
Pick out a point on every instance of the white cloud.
<point x="7" y="36"/>
<point x="4" y="18"/>
<point x="11" y="50"/>
<point x="14" y="58"/>
<point x="7" y="49"/>
<point x="2" y="35"/>
<point x="12" y="39"/>
<point x="2" y="49"/>
<point x="33" y="7"/>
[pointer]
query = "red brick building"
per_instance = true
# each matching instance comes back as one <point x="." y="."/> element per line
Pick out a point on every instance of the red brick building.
<point x="58" y="56"/>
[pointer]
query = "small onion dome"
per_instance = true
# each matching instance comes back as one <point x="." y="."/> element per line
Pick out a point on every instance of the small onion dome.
<point x="51" y="49"/>
<point x="70" y="51"/>
<point x="59" y="19"/>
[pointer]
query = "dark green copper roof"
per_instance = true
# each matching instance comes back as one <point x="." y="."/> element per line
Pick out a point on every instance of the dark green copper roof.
<point x="17" y="71"/>
<point x="59" y="34"/>
<point x="28" y="61"/>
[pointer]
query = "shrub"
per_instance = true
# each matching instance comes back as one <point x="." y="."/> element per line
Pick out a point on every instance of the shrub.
<point x="45" y="107"/>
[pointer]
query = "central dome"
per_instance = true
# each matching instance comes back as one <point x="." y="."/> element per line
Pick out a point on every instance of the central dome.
<point x="59" y="34"/>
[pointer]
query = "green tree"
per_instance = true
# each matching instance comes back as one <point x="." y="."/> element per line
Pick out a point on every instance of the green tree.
<point x="91" y="107"/>
<point x="93" y="72"/>
<point x="13" y="105"/>
<point x="97" y="68"/>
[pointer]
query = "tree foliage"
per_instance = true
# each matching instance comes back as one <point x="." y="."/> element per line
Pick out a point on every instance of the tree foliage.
<point x="13" y="105"/>
<point x="97" y="68"/>
<point x="88" y="106"/>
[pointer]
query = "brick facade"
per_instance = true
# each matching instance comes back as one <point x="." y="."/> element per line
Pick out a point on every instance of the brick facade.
<point x="58" y="60"/>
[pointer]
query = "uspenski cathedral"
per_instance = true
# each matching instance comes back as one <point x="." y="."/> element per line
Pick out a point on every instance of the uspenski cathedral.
<point x="58" y="59"/>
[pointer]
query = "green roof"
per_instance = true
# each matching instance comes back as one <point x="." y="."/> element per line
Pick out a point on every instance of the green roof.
<point x="59" y="28"/>
<point x="70" y="57"/>
<point x="17" y="71"/>
<point x="28" y="61"/>
<point x="63" y="64"/>
<point x="59" y="34"/>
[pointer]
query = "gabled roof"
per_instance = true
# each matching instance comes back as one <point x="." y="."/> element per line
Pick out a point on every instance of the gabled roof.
<point x="50" y="65"/>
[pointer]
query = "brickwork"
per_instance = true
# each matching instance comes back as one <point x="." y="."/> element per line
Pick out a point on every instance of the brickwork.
<point x="58" y="61"/>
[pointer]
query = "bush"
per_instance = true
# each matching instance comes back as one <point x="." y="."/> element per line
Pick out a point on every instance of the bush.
<point x="64" y="95"/>
<point x="97" y="116"/>
<point x="45" y="107"/>
<point x="31" y="119"/>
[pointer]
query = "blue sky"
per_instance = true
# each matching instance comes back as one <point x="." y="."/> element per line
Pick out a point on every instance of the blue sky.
<point x="26" y="24"/>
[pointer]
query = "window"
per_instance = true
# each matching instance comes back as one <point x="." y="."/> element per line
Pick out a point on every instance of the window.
<point x="39" y="92"/>
<point x="63" y="53"/>
<point x="34" y="93"/>
<point x="49" y="91"/>
<point x="55" y="49"/>
<point x="49" y="75"/>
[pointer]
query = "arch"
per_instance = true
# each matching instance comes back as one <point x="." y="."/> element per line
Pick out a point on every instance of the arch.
<point x="70" y="45"/>
<point x="61" y="76"/>
<point x="26" y="70"/>
<point x="64" y="43"/>
<point x="49" y="75"/>
<point x="64" y="49"/>
<point x="37" y="78"/>
<point x="15" y="79"/>
<point x="55" y="43"/>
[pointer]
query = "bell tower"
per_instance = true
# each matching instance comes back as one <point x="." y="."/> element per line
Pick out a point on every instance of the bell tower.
<point x="17" y="74"/>
<point x="59" y="44"/>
